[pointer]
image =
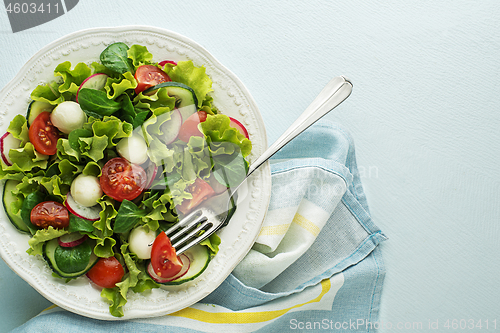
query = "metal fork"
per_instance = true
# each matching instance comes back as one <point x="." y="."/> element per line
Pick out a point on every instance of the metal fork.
<point x="204" y="221"/>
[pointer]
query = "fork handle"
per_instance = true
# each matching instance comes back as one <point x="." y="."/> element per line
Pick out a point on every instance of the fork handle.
<point x="334" y="93"/>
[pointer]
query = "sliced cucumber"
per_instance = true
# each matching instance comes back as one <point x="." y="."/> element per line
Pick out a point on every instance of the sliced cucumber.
<point x="199" y="256"/>
<point x="8" y="200"/>
<point x="35" y="108"/>
<point x="70" y="262"/>
<point x="185" y="98"/>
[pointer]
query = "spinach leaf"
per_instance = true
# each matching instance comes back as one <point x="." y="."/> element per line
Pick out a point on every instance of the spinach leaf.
<point x="131" y="114"/>
<point x="29" y="203"/>
<point x="75" y="134"/>
<point x="128" y="216"/>
<point x="78" y="224"/>
<point x="73" y="259"/>
<point x="115" y="58"/>
<point x="230" y="170"/>
<point x="96" y="102"/>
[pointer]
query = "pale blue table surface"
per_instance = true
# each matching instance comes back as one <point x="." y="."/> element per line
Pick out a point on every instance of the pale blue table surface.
<point x="424" y="115"/>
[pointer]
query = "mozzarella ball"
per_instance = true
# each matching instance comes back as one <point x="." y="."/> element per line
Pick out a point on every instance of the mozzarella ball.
<point x="86" y="190"/>
<point x="68" y="116"/>
<point x="134" y="149"/>
<point x="139" y="242"/>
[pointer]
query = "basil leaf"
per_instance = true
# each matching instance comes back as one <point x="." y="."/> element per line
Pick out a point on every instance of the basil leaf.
<point x="97" y="102"/>
<point x="115" y="58"/>
<point x="128" y="216"/>
<point x="78" y="224"/>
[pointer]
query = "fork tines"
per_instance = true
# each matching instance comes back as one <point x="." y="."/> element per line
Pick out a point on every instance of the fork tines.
<point x="186" y="233"/>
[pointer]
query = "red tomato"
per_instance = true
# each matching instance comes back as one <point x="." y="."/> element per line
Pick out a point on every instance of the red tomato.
<point x="200" y="190"/>
<point x="50" y="213"/>
<point x="148" y="76"/>
<point x="189" y="127"/>
<point x="107" y="272"/>
<point x="43" y="135"/>
<point x="122" y="180"/>
<point x="163" y="258"/>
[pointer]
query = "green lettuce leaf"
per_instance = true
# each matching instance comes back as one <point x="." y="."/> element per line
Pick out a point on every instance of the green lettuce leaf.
<point x="97" y="67"/>
<point x="139" y="55"/>
<point x="18" y="127"/>
<point x="117" y="86"/>
<point x="41" y="236"/>
<point x="159" y="102"/>
<point x="194" y="77"/>
<point x="72" y="78"/>
<point x="26" y="158"/>
<point x="212" y="243"/>
<point x="136" y="279"/>
<point x="217" y="129"/>
<point x="48" y="93"/>
<point x="103" y="231"/>
<point x="115" y="299"/>
<point x="111" y="127"/>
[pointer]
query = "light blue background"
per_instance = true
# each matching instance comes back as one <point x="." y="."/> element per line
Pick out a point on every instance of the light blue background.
<point x="424" y="115"/>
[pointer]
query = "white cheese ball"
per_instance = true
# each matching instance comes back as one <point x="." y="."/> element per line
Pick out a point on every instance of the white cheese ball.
<point x="134" y="149"/>
<point x="139" y="240"/>
<point x="86" y="190"/>
<point x="68" y="116"/>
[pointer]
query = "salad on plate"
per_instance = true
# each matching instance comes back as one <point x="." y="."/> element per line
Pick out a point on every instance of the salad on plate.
<point x="108" y="156"/>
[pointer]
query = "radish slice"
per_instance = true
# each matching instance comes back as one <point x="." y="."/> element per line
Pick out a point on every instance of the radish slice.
<point x="8" y="142"/>
<point x="171" y="127"/>
<point x="72" y="239"/>
<point x="164" y="62"/>
<point x="239" y="126"/>
<point x="151" y="172"/>
<point x="86" y="213"/>
<point x="96" y="82"/>
<point x="186" y="263"/>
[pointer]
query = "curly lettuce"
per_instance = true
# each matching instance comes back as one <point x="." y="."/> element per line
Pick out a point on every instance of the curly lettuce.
<point x="194" y="77"/>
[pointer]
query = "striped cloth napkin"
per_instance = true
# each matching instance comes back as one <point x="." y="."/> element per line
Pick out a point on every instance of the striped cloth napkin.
<point x="315" y="265"/>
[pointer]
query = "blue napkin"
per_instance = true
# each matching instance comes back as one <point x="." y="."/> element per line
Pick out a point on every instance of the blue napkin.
<point x="315" y="266"/>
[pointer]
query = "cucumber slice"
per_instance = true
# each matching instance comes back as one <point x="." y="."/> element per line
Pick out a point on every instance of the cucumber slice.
<point x="185" y="98"/>
<point x="69" y="262"/>
<point x="199" y="256"/>
<point x="8" y="200"/>
<point x="35" y="108"/>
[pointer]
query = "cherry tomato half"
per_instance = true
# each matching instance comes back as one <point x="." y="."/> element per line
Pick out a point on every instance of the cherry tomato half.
<point x="148" y="76"/>
<point x="122" y="180"/>
<point x="190" y="126"/>
<point x="107" y="272"/>
<point x="200" y="190"/>
<point x="50" y="213"/>
<point x="163" y="258"/>
<point x="43" y="135"/>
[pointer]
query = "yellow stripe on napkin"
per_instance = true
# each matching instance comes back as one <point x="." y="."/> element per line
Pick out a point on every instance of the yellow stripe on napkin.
<point x="273" y="230"/>
<point x="244" y="317"/>
<point x="306" y="224"/>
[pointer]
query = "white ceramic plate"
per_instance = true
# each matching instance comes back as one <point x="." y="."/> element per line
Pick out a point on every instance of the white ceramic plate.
<point x="230" y="96"/>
